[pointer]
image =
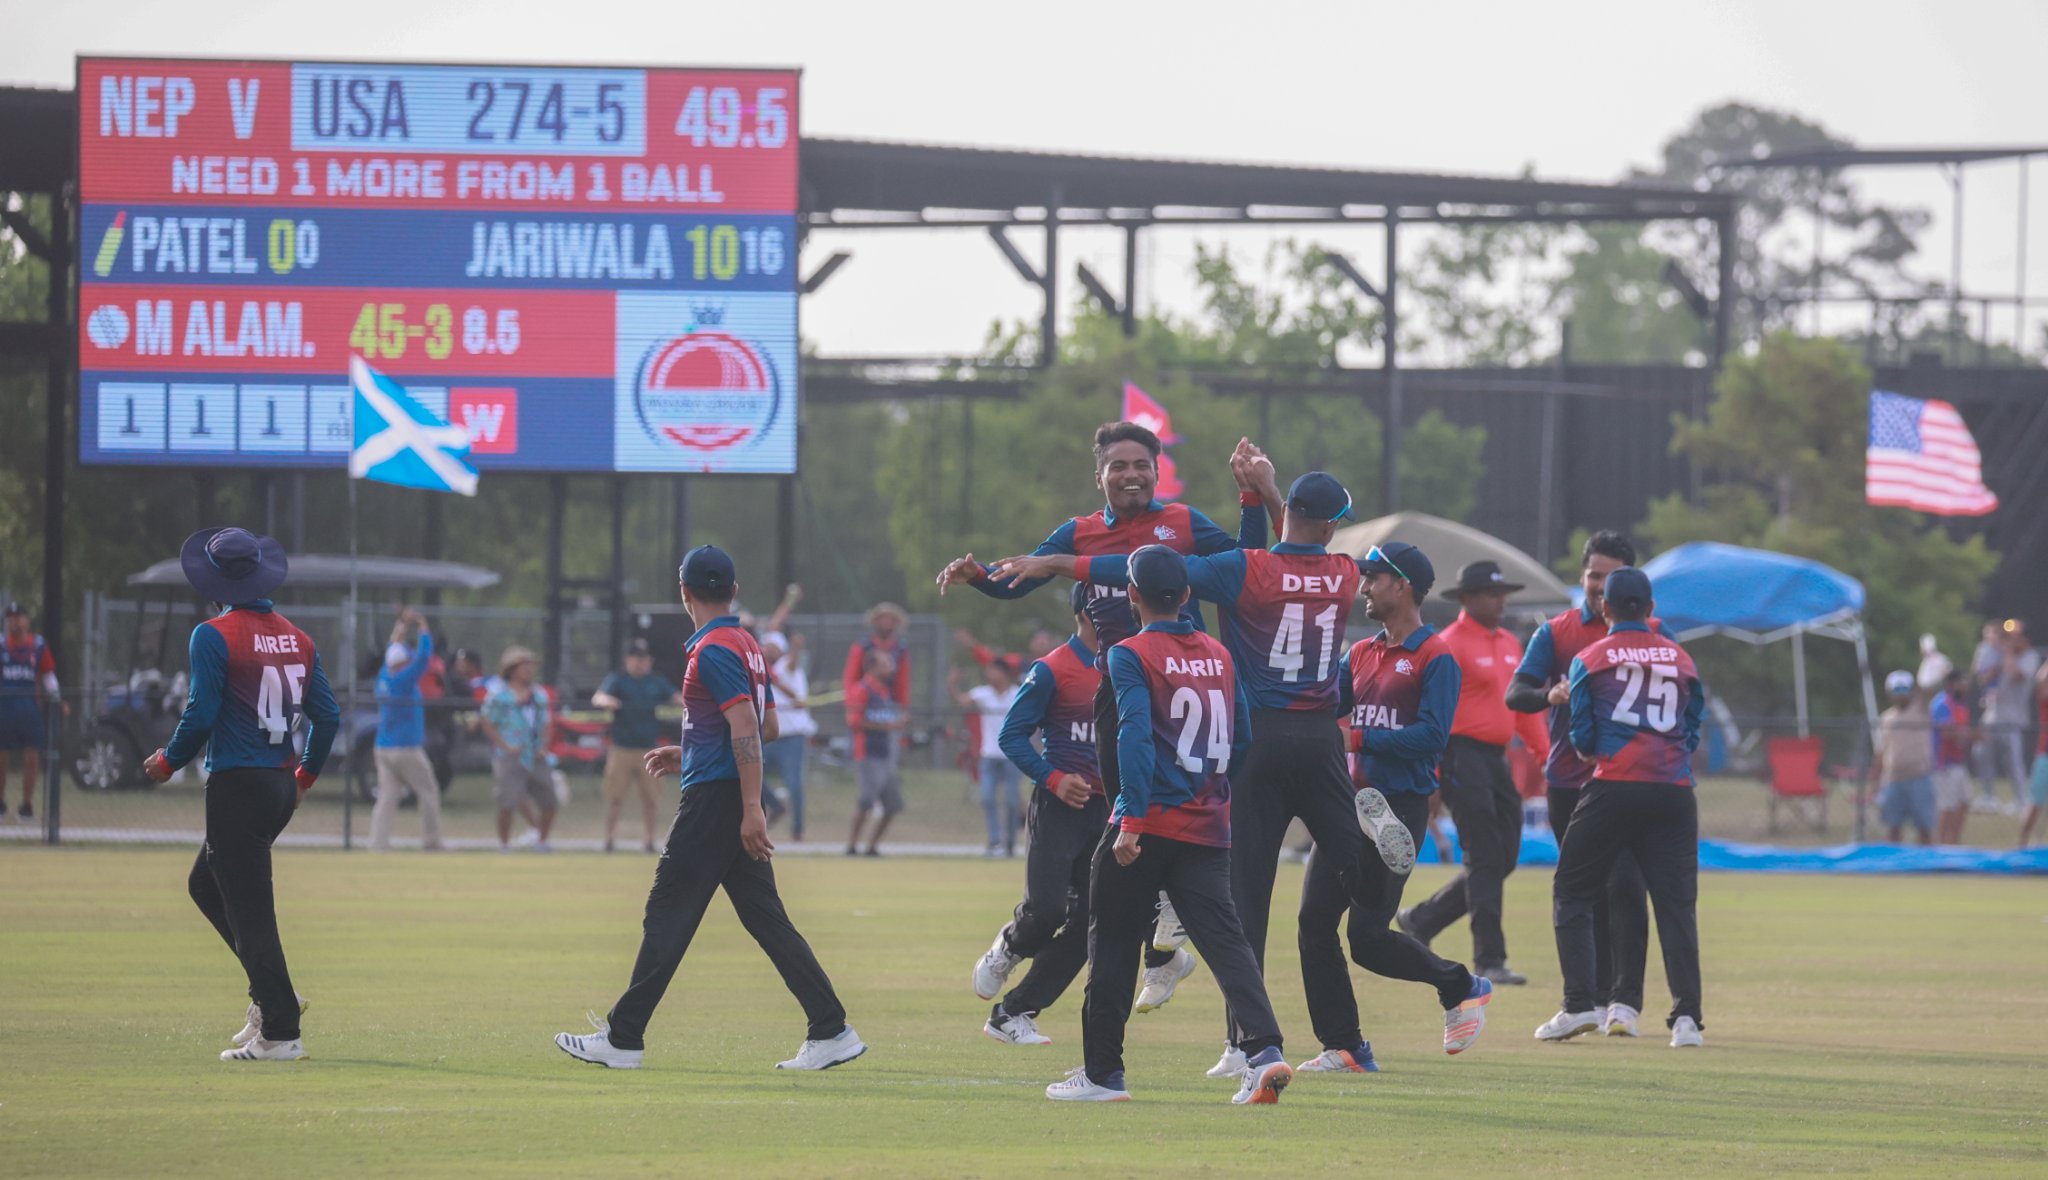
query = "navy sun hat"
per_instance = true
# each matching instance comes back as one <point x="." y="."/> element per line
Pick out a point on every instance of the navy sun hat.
<point x="1158" y="573"/>
<point x="1628" y="588"/>
<point x="1402" y="560"/>
<point x="708" y="570"/>
<point x="233" y="566"/>
<point x="1319" y="496"/>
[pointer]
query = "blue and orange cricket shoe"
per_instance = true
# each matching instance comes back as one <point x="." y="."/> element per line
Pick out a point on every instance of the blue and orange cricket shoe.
<point x="1462" y="1023"/>
<point x="1357" y="1060"/>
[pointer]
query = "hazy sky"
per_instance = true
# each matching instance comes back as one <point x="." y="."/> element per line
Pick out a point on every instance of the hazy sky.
<point x="1576" y="89"/>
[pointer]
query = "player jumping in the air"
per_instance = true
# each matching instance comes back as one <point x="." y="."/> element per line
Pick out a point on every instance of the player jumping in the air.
<point x="1184" y="723"/>
<point x="1284" y="613"/>
<point x="253" y="676"/>
<point x="1401" y="689"/>
<point x="719" y="838"/>
<point x="1127" y="473"/>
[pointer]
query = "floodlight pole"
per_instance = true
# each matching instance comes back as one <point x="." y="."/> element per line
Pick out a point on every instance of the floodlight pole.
<point x="1130" y="308"/>
<point x="1390" y="436"/>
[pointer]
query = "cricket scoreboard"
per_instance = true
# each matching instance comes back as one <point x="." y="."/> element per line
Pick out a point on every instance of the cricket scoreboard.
<point x="588" y="268"/>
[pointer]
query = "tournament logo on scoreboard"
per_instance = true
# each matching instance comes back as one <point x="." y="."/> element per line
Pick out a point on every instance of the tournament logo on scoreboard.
<point x="706" y="390"/>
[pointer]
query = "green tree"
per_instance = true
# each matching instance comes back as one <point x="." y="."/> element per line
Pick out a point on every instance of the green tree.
<point x="1784" y="442"/>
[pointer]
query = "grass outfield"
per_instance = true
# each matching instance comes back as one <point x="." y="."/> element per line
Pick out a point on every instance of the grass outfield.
<point x="1865" y="1025"/>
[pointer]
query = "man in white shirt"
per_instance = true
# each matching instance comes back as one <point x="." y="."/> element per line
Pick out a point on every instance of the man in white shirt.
<point x="784" y="757"/>
<point x="999" y="775"/>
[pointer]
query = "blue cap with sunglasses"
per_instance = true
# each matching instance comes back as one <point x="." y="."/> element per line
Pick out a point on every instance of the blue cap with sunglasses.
<point x="1402" y="560"/>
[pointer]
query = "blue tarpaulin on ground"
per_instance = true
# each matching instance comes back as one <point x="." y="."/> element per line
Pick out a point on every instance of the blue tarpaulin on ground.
<point x="1539" y="848"/>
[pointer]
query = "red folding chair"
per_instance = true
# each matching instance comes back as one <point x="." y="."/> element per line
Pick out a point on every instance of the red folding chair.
<point x="1795" y="778"/>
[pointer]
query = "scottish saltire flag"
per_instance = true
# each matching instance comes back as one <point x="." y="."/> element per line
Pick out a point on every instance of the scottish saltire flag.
<point x="1921" y="456"/>
<point x="399" y="441"/>
<point x="1140" y="408"/>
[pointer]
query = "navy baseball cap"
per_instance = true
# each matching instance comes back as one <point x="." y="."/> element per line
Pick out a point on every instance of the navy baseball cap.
<point x="1319" y="496"/>
<point x="1628" y="587"/>
<point x="1402" y="560"/>
<point x="1078" y="597"/>
<point x="15" y="608"/>
<point x="1158" y="573"/>
<point x="708" y="570"/>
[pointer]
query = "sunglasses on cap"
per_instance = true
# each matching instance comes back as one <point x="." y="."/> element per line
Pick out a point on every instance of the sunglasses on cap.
<point x="1379" y="556"/>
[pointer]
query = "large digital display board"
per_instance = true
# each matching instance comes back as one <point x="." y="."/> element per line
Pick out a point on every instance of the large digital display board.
<point x="589" y="268"/>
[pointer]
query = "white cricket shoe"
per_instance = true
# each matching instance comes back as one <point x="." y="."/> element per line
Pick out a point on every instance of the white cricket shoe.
<point x="992" y="970"/>
<point x="597" y="1047"/>
<point x="1014" y="1030"/>
<point x="826" y="1054"/>
<point x="1566" y="1025"/>
<point x="1076" y="1087"/>
<point x="1167" y="933"/>
<point x="1620" y="1021"/>
<point x="1685" y="1034"/>
<point x="1385" y="830"/>
<point x="1262" y="1080"/>
<point x="1230" y="1065"/>
<point x="254" y="1027"/>
<point x="1161" y="981"/>
<point x="262" y="1050"/>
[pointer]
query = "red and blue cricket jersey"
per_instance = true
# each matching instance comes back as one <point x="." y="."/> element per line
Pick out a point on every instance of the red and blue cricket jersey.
<point x="1402" y="698"/>
<point x="1057" y="700"/>
<point x="253" y="676"/>
<point x="1547" y="660"/>
<point x="22" y="669"/>
<point x="1182" y="719"/>
<point x="725" y="666"/>
<point x="857" y="662"/>
<point x="1101" y="534"/>
<point x="868" y="700"/>
<point x="1636" y="706"/>
<point x="1284" y="611"/>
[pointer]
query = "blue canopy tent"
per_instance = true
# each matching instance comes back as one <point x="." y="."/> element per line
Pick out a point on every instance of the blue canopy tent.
<point x="1706" y="588"/>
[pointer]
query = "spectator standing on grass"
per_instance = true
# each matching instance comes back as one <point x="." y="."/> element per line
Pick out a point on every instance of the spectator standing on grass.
<point x="401" y="753"/>
<point x="631" y="696"/>
<point x="991" y="702"/>
<point x="1949" y="713"/>
<point x="1904" y="762"/>
<point x="885" y="635"/>
<point x="519" y="720"/>
<point x="2037" y="789"/>
<point x="877" y="720"/>
<point x="785" y="756"/>
<point x="27" y="671"/>
<point x="2007" y="674"/>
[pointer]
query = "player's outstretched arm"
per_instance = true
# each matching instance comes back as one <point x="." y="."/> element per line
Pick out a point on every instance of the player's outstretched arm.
<point x="1034" y="568"/>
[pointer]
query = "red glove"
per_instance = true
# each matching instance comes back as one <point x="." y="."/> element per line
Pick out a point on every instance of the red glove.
<point x="158" y="770"/>
<point x="304" y="778"/>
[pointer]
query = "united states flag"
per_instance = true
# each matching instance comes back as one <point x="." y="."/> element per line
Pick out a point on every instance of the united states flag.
<point x="1921" y="456"/>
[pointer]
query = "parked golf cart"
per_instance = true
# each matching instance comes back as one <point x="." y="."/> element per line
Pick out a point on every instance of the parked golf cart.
<point x="139" y="717"/>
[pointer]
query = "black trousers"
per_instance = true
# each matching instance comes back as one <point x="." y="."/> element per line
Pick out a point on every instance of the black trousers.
<point x="1659" y="824"/>
<point x="1375" y="944"/>
<point x="1621" y="917"/>
<point x="1481" y="795"/>
<point x="1106" y="726"/>
<point x="1050" y="926"/>
<point x="703" y="855"/>
<point x="246" y="808"/>
<point x="1197" y="880"/>
<point x="1294" y="770"/>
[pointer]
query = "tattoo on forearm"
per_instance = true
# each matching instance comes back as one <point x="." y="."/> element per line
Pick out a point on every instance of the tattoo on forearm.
<point x="746" y="749"/>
